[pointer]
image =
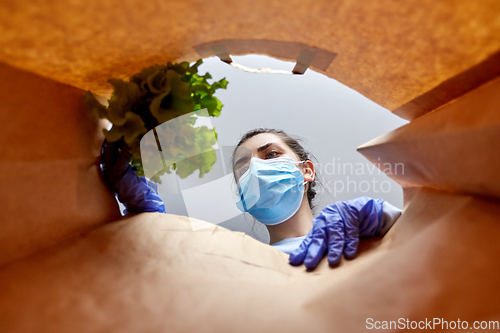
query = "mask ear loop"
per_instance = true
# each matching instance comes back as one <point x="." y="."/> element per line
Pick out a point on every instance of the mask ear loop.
<point x="305" y="181"/>
<point x="307" y="187"/>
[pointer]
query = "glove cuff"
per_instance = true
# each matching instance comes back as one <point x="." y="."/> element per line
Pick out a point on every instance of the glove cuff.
<point x="390" y="214"/>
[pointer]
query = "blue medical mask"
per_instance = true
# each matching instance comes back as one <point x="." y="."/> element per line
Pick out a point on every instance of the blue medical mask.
<point x="271" y="190"/>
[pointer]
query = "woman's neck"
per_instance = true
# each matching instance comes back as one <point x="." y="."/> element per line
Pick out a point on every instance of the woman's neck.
<point x="296" y="226"/>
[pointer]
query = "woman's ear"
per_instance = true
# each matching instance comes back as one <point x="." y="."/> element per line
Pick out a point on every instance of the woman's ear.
<point x="309" y="171"/>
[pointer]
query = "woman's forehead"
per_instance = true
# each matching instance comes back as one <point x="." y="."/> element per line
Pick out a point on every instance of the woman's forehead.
<point x="262" y="139"/>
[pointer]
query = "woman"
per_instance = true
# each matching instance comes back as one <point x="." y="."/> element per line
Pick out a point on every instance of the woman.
<point x="276" y="180"/>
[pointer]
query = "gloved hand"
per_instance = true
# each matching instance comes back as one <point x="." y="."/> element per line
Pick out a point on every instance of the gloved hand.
<point x="136" y="194"/>
<point x="337" y="230"/>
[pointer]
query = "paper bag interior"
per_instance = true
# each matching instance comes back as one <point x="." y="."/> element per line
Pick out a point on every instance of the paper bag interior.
<point x="70" y="263"/>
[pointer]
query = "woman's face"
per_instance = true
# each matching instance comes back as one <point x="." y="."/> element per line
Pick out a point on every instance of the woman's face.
<point x="264" y="146"/>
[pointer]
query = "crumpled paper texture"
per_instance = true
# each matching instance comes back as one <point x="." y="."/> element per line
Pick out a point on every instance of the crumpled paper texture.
<point x="69" y="263"/>
<point x="152" y="273"/>
<point x="454" y="148"/>
<point x="394" y="53"/>
<point x="50" y="188"/>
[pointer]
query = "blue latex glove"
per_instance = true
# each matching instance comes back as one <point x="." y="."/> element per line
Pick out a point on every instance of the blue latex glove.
<point x="337" y="230"/>
<point x="138" y="195"/>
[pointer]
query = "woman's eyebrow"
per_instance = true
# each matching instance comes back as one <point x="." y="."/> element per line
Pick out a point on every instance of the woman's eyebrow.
<point x="240" y="160"/>
<point x="265" y="146"/>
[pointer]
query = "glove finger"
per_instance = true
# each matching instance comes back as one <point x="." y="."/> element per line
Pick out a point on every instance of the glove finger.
<point x="317" y="248"/>
<point x="124" y="154"/>
<point x="115" y="163"/>
<point x="106" y="152"/>
<point x="351" y="247"/>
<point x="122" y="162"/>
<point x="351" y="239"/>
<point x="297" y="256"/>
<point x="335" y="241"/>
<point x="110" y="152"/>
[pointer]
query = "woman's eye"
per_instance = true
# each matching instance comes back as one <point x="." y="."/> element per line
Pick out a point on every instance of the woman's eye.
<point x="272" y="154"/>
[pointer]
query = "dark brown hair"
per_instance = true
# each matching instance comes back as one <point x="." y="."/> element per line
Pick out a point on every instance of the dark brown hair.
<point x="293" y="144"/>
